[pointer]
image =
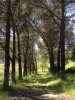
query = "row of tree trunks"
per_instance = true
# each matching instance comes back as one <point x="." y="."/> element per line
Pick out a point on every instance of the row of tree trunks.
<point x="61" y="49"/>
<point x="7" y="50"/>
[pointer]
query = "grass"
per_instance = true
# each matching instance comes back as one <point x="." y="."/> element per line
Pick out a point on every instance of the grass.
<point x="3" y="95"/>
<point x="70" y="64"/>
<point x="40" y="80"/>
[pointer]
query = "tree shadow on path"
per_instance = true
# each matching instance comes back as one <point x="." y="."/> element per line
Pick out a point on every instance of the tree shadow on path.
<point x="33" y="93"/>
<point x="35" y="88"/>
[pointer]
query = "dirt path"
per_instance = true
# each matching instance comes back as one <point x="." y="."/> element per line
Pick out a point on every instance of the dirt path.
<point x="44" y="94"/>
<point x="43" y="97"/>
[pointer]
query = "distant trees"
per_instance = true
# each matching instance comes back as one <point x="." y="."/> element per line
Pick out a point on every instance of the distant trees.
<point x="73" y="54"/>
<point x="56" y="10"/>
<point x="21" y="24"/>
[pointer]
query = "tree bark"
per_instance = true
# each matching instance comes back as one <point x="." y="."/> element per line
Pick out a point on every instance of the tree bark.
<point x="58" y="59"/>
<point x="63" y="39"/>
<point x="25" y="56"/>
<point x="7" y="47"/>
<point x="51" y="59"/>
<point x="14" y="53"/>
<point x="19" y="57"/>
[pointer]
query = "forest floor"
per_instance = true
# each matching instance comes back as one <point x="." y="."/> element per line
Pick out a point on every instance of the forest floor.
<point x="44" y="94"/>
<point x="41" y="86"/>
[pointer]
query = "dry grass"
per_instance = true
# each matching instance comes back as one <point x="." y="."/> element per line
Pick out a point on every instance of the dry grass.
<point x="1" y="67"/>
<point x="1" y="70"/>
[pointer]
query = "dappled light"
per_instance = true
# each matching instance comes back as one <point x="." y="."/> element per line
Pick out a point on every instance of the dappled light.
<point x="37" y="49"/>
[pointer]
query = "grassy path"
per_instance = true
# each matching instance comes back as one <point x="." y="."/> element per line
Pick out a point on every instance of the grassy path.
<point x="45" y="94"/>
<point x="43" y="87"/>
<point x="40" y="87"/>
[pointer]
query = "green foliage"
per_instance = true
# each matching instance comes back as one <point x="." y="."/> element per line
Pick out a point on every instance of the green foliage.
<point x="68" y="54"/>
<point x="1" y="55"/>
<point x="73" y="54"/>
<point x="50" y="81"/>
<point x="37" y="83"/>
<point x="70" y="64"/>
<point x="70" y="70"/>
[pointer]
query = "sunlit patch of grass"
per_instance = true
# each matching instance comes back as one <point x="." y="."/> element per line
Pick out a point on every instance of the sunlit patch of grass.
<point x="37" y="79"/>
<point x="50" y="81"/>
<point x="43" y="79"/>
<point x="54" y="82"/>
<point x="70" y="64"/>
<point x="71" y="92"/>
<point x="66" y="86"/>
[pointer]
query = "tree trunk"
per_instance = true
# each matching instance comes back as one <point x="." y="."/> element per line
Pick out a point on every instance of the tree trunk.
<point x="35" y="66"/>
<point x="7" y="48"/>
<point x="25" y="56"/>
<point x="63" y="39"/>
<point x="58" y="60"/>
<point x="25" y="66"/>
<point x="14" y="54"/>
<point x="51" y="59"/>
<point x="19" y="57"/>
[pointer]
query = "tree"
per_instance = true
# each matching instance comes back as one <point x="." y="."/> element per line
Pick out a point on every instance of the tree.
<point x="7" y="46"/>
<point x="62" y="39"/>
<point x="26" y="54"/>
<point x="14" y="52"/>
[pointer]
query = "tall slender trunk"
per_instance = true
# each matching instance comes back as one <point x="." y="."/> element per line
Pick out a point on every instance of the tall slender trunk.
<point x="63" y="39"/>
<point x="7" y="47"/>
<point x="35" y="66"/>
<point x="14" y="53"/>
<point x="51" y="59"/>
<point x="25" y="56"/>
<point x="25" y="65"/>
<point x="32" y="58"/>
<point x="32" y="67"/>
<point x="58" y="59"/>
<point x="19" y="56"/>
